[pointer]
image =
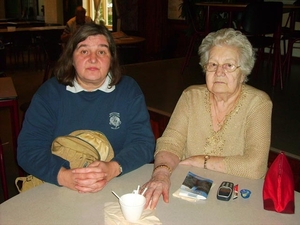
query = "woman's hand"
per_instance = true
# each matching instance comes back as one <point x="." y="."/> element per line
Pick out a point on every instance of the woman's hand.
<point x="158" y="185"/>
<point x="90" y="179"/>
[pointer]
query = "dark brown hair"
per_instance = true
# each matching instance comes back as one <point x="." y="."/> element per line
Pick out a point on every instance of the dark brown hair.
<point x="65" y="71"/>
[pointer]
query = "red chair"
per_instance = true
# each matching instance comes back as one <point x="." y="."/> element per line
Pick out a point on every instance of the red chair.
<point x="3" y="174"/>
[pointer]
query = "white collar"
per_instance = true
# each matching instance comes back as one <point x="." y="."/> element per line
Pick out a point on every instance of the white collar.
<point x="104" y="87"/>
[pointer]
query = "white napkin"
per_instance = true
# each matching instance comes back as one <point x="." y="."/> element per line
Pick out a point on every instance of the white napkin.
<point x="113" y="216"/>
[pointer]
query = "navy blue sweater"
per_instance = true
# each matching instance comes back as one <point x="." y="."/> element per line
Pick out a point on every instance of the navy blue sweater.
<point x="54" y="112"/>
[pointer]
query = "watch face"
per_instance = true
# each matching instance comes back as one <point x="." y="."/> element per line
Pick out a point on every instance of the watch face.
<point x="225" y="192"/>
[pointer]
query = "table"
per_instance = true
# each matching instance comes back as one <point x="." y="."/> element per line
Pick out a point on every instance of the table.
<point x="20" y="39"/>
<point x="34" y="29"/>
<point x="49" y="204"/>
<point x="124" y="39"/>
<point x="21" y="23"/>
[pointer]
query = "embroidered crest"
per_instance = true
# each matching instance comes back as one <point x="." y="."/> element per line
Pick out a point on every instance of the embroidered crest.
<point x="114" y="120"/>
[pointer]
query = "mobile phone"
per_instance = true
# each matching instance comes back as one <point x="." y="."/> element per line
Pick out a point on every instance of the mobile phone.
<point x="225" y="191"/>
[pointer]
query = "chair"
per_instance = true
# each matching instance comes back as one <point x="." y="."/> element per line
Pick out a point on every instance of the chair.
<point x="2" y="59"/>
<point x="53" y="50"/>
<point x="116" y="6"/>
<point x="3" y="174"/>
<point x="159" y="122"/>
<point x="292" y="36"/>
<point x="22" y="44"/>
<point x="261" y="23"/>
<point x="194" y="19"/>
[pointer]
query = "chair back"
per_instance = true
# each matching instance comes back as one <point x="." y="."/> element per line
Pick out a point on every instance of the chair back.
<point x="262" y="17"/>
<point x="116" y="6"/>
<point x="194" y="16"/>
<point x="297" y="13"/>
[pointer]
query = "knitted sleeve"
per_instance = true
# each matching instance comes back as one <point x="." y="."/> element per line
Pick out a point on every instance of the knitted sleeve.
<point x="253" y="163"/>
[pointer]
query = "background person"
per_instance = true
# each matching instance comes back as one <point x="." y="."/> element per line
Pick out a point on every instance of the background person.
<point x="74" y="23"/>
<point x="223" y="126"/>
<point x="87" y="93"/>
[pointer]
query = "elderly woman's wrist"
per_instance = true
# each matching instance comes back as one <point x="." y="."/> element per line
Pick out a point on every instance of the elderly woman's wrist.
<point x="162" y="168"/>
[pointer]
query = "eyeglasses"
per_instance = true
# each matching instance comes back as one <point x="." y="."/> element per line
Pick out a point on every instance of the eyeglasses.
<point x="228" y="67"/>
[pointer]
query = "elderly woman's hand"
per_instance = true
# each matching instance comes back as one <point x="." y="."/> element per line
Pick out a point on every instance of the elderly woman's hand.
<point x="158" y="185"/>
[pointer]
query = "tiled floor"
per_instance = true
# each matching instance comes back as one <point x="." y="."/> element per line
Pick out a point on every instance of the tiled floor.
<point x="162" y="85"/>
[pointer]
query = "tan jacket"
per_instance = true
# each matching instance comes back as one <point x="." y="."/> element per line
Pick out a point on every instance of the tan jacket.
<point x="244" y="138"/>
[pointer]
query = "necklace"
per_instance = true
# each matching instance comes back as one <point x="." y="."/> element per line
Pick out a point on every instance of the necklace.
<point x="227" y="112"/>
<point x="219" y="122"/>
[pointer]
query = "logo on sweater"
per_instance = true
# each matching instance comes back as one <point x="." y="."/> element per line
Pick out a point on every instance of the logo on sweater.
<point x="114" y="120"/>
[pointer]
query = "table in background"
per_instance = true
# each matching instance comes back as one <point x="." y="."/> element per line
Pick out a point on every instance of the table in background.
<point x="130" y="48"/>
<point x="49" y="204"/>
<point x="43" y="28"/>
<point x="30" y="40"/>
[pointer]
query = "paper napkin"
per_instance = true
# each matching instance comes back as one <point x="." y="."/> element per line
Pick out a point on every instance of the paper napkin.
<point x="113" y="215"/>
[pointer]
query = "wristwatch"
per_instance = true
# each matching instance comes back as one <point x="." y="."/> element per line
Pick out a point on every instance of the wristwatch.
<point x="120" y="169"/>
<point x="207" y="157"/>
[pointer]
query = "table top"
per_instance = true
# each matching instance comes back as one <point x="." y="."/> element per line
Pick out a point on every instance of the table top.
<point x="7" y="89"/>
<point x="129" y="40"/>
<point x="240" y="5"/>
<point x="49" y="204"/>
<point x="22" y="29"/>
<point x="123" y="39"/>
<point x="119" y="40"/>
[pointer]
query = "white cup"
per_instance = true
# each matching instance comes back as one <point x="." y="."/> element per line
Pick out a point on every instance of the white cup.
<point x="132" y="206"/>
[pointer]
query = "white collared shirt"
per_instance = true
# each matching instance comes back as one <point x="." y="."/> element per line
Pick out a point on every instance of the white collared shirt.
<point x="104" y="87"/>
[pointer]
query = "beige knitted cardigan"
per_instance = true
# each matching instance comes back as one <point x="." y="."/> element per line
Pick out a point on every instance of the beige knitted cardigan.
<point x="244" y="139"/>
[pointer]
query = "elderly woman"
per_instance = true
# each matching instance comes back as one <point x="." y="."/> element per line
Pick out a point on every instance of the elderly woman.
<point x="223" y="126"/>
<point x="87" y="93"/>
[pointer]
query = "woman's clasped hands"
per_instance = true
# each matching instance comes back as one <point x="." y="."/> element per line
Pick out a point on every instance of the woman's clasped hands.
<point x="89" y="179"/>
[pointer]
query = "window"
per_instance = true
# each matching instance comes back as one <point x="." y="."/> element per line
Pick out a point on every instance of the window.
<point x="103" y="14"/>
